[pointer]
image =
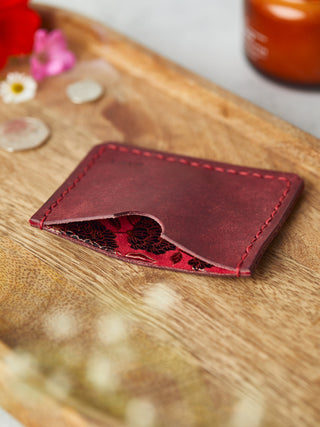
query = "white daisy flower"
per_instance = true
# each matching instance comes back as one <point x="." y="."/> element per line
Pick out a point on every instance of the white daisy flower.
<point x="17" y="87"/>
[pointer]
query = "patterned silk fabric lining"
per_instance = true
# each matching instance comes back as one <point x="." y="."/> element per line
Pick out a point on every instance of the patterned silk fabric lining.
<point x="134" y="237"/>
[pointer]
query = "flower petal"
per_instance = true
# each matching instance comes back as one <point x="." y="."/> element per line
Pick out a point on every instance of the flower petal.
<point x="53" y="47"/>
<point x="7" y="90"/>
<point x="54" y="67"/>
<point x="40" y="40"/>
<point x="56" y="41"/>
<point x="68" y="59"/>
<point x="21" y="24"/>
<point x="38" y="70"/>
<point x="5" y="4"/>
<point x="3" y="55"/>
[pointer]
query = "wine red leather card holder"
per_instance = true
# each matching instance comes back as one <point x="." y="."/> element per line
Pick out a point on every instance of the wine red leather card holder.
<point x="170" y="211"/>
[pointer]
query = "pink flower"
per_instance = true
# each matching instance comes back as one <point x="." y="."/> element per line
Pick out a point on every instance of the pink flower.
<point x="50" y="54"/>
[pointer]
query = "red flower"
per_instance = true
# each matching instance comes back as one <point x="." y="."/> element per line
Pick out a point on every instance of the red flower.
<point x="18" y="24"/>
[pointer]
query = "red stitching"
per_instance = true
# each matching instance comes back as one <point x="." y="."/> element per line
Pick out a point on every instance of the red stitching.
<point x="147" y="153"/>
<point x="181" y="160"/>
<point x="124" y="149"/>
<point x="234" y="172"/>
<point x="184" y="161"/>
<point x="265" y="224"/>
<point x="268" y="176"/>
<point x="75" y="182"/>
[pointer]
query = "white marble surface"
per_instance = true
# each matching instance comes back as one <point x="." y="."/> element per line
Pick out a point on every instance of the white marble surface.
<point x="7" y="420"/>
<point x="204" y="36"/>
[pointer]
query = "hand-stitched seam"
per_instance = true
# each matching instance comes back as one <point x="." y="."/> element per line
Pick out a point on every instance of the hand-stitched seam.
<point x="75" y="182"/>
<point x="264" y="226"/>
<point x="192" y="163"/>
<point x="184" y="161"/>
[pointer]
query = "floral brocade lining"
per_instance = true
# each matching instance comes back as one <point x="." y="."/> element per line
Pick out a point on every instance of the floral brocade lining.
<point x="134" y="237"/>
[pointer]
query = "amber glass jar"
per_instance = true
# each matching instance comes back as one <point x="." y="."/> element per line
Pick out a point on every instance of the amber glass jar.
<point x="282" y="38"/>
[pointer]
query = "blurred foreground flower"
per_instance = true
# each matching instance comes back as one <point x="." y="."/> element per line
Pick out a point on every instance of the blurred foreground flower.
<point x="17" y="87"/>
<point x="50" y="54"/>
<point x="18" y="24"/>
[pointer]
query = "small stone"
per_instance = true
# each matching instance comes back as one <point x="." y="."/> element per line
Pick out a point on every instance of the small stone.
<point x="23" y="133"/>
<point x="84" y="91"/>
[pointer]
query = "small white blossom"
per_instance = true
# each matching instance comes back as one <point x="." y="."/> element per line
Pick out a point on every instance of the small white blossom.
<point x="17" y="87"/>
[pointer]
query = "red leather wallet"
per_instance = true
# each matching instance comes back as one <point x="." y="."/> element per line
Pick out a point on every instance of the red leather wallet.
<point x="170" y="211"/>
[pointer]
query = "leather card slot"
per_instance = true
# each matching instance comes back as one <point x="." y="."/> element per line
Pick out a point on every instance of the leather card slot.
<point x="171" y="211"/>
<point x="135" y="238"/>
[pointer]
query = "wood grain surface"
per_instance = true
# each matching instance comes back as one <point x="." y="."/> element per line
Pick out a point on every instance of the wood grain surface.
<point x="92" y="341"/>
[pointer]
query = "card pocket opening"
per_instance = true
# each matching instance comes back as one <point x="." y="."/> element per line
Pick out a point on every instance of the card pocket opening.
<point x="135" y="238"/>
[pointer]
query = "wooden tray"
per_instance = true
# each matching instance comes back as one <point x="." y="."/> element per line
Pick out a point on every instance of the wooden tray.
<point x="92" y="341"/>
